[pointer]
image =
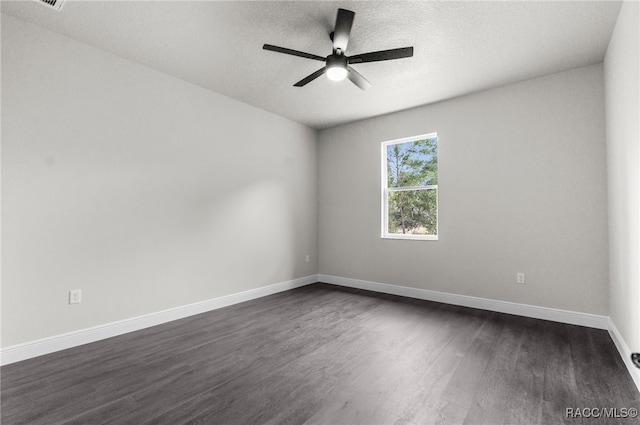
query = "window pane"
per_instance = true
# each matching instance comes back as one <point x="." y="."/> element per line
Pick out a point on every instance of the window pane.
<point x="413" y="212"/>
<point x="412" y="163"/>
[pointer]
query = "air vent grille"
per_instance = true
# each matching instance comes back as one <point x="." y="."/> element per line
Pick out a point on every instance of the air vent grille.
<point x="52" y="4"/>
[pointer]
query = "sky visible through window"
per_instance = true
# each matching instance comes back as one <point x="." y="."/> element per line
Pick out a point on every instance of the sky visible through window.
<point x="411" y="194"/>
<point x="413" y="163"/>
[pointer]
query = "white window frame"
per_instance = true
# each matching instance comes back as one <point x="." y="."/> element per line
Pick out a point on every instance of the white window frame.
<point x="385" y="192"/>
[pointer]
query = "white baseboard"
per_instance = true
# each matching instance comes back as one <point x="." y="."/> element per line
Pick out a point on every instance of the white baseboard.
<point x="625" y="352"/>
<point x="52" y="344"/>
<point x="16" y="353"/>
<point x="545" y="313"/>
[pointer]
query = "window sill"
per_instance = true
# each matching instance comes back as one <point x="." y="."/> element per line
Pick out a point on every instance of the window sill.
<point x="412" y="237"/>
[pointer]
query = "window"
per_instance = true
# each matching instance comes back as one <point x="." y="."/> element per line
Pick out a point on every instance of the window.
<point x="410" y="188"/>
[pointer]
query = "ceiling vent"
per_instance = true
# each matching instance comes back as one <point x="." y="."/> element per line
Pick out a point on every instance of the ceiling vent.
<point x="52" y="4"/>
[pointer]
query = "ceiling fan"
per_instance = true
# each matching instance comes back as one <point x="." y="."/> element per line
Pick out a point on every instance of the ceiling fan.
<point x="337" y="64"/>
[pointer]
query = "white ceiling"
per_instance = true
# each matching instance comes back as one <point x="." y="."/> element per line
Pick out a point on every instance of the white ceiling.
<point x="459" y="47"/>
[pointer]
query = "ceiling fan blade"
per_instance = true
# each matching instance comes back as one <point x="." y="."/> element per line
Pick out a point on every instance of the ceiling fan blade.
<point x="292" y="52"/>
<point x="382" y="55"/>
<point x="344" y="21"/>
<point x="358" y="79"/>
<point x="311" y="77"/>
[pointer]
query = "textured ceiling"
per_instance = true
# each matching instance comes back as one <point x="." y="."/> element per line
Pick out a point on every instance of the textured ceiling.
<point x="459" y="47"/>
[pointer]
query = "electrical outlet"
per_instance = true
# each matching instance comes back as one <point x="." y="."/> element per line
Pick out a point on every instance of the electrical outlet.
<point x="520" y="278"/>
<point x="75" y="296"/>
<point x="306" y="259"/>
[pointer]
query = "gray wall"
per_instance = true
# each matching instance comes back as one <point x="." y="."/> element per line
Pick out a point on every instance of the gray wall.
<point x="142" y="190"/>
<point x="522" y="188"/>
<point x="623" y="153"/>
<point x="148" y="193"/>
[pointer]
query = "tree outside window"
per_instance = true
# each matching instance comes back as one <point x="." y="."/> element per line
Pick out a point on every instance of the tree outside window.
<point x="410" y="188"/>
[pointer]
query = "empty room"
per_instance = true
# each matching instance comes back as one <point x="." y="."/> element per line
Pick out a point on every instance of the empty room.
<point x="318" y="212"/>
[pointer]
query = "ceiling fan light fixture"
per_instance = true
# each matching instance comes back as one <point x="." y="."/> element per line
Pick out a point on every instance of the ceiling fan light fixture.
<point x="337" y="67"/>
<point x="336" y="73"/>
<point x="337" y="63"/>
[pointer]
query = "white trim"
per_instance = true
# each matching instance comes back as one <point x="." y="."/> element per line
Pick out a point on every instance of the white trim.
<point x="16" y="353"/>
<point x="431" y="135"/>
<point x="625" y="352"/>
<point x="49" y="345"/>
<point x="384" y="216"/>
<point x="411" y="237"/>
<point x="410" y="188"/>
<point x="545" y="313"/>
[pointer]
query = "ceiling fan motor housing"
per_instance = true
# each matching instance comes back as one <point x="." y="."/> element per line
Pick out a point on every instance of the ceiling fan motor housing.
<point x="337" y="68"/>
<point x="337" y="64"/>
<point x="337" y="61"/>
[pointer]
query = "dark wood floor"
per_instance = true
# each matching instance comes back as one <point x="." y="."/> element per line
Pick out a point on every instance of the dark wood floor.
<point x="327" y="355"/>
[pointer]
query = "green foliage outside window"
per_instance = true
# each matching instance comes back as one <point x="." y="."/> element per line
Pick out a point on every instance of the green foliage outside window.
<point x="412" y="179"/>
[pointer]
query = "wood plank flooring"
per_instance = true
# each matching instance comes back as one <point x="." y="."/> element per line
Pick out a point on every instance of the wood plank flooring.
<point x="322" y="354"/>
